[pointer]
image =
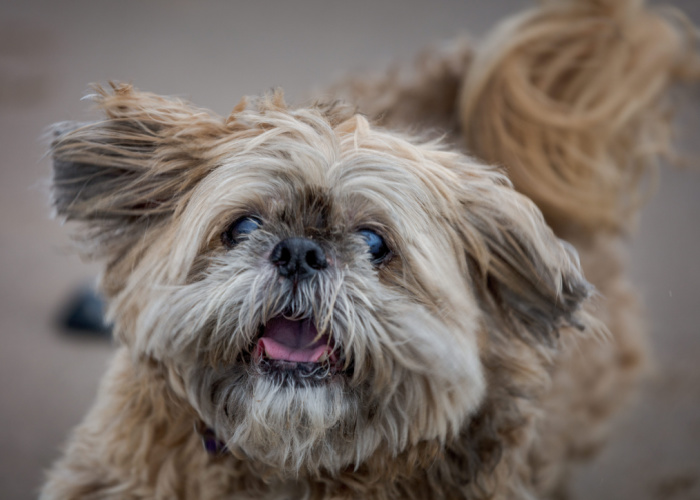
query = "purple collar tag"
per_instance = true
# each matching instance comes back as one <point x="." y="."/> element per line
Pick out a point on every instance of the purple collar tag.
<point x="213" y="445"/>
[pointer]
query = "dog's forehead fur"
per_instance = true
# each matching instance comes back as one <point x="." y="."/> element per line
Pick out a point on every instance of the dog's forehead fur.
<point x="308" y="167"/>
<point x="311" y="179"/>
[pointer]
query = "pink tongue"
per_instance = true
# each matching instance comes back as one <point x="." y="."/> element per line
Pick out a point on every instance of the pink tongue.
<point x="295" y="341"/>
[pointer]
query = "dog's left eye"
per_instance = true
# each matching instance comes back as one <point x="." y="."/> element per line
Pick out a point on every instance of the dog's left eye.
<point x="377" y="246"/>
<point x="239" y="229"/>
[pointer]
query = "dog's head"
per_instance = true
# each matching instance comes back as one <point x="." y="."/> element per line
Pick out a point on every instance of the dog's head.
<point x="323" y="290"/>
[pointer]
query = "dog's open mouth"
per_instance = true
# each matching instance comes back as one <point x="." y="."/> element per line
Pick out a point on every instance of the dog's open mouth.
<point x="293" y="341"/>
<point x="294" y="351"/>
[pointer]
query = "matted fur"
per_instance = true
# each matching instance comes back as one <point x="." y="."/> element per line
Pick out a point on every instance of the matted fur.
<point x="477" y="364"/>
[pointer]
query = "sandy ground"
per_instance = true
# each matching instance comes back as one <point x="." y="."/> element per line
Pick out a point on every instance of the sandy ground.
<point x="214" y="52"/>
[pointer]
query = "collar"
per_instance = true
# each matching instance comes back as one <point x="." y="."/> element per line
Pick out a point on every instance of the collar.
<point x="212" y="444"/>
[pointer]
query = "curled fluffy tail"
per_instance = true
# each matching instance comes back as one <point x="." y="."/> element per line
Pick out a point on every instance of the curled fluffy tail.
<point x="572" y="98"/>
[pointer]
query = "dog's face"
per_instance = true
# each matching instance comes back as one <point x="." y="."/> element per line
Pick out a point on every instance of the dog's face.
<point x="321" y="291"/>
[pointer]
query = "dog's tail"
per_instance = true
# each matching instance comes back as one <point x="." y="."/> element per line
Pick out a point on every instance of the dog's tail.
<point x="572" y="97"/>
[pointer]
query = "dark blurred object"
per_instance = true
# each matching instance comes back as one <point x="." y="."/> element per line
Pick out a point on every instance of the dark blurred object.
<point x="84" y="315"/>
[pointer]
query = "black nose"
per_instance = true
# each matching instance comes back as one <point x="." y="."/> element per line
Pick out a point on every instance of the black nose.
<point x="298" y="258"/>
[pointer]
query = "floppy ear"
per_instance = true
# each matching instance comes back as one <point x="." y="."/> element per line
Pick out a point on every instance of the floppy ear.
<point x="129" y="171"/>
<point x="526" y="278"/>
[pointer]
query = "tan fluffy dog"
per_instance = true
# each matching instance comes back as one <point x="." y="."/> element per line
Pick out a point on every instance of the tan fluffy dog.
<point x="339" y="310"/>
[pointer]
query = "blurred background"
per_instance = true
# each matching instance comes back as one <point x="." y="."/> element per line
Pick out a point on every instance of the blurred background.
<point x="214" y="52"/>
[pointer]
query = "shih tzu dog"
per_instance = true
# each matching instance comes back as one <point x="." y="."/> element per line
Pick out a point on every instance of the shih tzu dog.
<point x="312" y="304"/>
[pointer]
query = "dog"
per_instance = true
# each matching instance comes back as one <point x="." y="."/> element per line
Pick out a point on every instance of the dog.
<point x="313" y="303"/>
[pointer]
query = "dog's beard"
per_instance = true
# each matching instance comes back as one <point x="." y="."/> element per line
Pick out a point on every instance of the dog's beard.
<point x="288" y="427"/>
<point x="402" y="374"/>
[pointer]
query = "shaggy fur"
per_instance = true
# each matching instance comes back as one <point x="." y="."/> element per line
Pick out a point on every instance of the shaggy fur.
<point x="474" y="361"/>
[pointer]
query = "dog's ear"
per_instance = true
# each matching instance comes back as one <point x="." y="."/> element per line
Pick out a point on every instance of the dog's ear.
<point x="525" y="277"/>
<point x="131" y="170"/>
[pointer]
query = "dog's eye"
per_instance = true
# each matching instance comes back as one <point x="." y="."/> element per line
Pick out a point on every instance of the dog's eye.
<point x="238" y="230"/>
<point x="377" y="247"/>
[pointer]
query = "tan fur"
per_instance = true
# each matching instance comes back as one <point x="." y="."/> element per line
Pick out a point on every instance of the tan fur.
<point x="572" y="98"/>
<point x="419" y="100"/>
<point x="483" y="363"/>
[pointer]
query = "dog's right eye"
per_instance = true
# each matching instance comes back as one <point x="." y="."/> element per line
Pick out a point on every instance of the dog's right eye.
<point x="238" y="230"/>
